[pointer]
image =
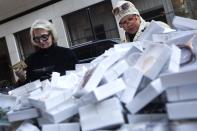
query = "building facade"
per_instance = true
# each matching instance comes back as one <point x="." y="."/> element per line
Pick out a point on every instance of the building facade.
<point x="76" y="22"/>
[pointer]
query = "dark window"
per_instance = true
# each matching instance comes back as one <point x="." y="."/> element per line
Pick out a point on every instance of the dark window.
<point x="92" y="23"/>
<point x="24" y="43"/>
<point x="100" y="32"/>
<point x="6" y="74"/>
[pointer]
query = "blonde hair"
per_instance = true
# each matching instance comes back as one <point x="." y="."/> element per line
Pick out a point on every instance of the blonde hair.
<point x="46" y="25"/>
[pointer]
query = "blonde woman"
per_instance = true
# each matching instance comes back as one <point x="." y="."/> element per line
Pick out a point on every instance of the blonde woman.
<point x="49" y="57"/>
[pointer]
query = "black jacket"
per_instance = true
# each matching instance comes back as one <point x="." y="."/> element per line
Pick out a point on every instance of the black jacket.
<point x="45" y="61"/>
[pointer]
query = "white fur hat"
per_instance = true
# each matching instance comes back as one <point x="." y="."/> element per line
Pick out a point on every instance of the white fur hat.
<point x="124" y="12"/>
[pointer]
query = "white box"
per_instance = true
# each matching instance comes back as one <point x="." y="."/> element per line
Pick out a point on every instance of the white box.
<point x="184" y="23"/>
<point x="123" y="64"/>
<point x="42" y="121"/>
<point x="129" y="45"/>
<point x="182" y="39"/>
<point x="101" y="115"/>
<point x="88" y="98"/>
<point x="145" y="96"/>
<point x="115" y="71"/>
<point x="182" y="110"/>
<point x="49" y="99"/>
<point x="61" y="127"/>
<point x="184" y="126"/>
<point x="134" y="80"/>
<point x="172" y="36"/>
<point x="145" y="126"/>
<point x="34" y="85"/>
<point x="7" y="101"/>
<point x="182" y="93"/>
<point x="140" y="118"/>
<point x="62" y="112"/>
<point x="54" y="79"/>
<point x="46" y="85"/>
<point x="104" y="65"/>
<point x="26" y="89"/>
<point x="104" y="91"/>
<point x="98" y="73"/>
<point x="173" y="65"/>
<point x="153" y="28"/>
<point x="22" y="114"/>
<point x="150" y="62"/>
<point x="182" y="78"/>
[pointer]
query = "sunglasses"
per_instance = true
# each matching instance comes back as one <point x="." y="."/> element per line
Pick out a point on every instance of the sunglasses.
<point x="43" y="38"/>
<point x="123" y="7"/>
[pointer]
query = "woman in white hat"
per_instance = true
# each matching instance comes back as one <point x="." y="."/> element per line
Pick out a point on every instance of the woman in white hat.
<point x="130" y="20"/>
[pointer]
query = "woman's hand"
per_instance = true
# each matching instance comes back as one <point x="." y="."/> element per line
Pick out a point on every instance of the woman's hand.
<point x="21" y="74"/>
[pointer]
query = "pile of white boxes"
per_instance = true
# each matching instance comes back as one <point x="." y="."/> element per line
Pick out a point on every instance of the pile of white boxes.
<point x="109" y="93"/>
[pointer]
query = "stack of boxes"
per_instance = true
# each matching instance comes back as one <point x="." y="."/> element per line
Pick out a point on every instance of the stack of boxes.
<point x="110" y="92"/>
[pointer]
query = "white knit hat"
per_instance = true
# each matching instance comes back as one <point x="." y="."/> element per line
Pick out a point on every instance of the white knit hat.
<point x="124" y="12"/>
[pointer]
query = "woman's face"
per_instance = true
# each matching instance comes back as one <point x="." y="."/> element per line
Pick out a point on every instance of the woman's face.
<point x="130" y="23"/>
<point x="42" y="38"/>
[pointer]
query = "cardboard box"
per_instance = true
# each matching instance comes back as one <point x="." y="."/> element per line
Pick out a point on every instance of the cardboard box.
<point x="182" y="110"/>
<point x="104" y="91"/>
<point x="22" y="114"/>
<point x="101" y="115"/>
<point x="61" y="127"/>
